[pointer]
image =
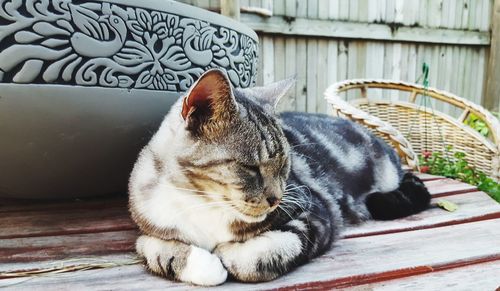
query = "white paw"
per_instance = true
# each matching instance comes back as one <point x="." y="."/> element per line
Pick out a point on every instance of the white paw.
<point x="203" y="268"/>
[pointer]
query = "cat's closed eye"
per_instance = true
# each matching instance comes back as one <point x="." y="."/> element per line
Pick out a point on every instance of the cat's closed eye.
<point x="284" y="169"/>
<point x="253" y="170"/>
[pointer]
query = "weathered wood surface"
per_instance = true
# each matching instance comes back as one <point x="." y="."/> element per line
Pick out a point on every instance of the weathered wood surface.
<point x="493" y="77"/>
<point x="63" y="222"/>
<point x="366" y="31"/>
<point x="230" y="9"/>
<point x="7" y="205"/>
<point x="472" y="207"/>
<point x="444" y="187"/>
<point x="64" y="246"/>
<point x="474" y="277"/>
<point x="376" y="254"/>
<point x="351" y="262"/>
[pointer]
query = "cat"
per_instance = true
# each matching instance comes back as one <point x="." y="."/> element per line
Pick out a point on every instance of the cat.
<point x="229" y="187"/>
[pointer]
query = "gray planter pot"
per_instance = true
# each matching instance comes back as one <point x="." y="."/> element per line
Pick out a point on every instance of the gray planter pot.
<point x="84" y="84"/>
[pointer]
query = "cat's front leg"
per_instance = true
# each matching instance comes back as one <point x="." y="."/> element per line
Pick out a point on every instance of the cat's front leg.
<point x="176" y="260"/>
<point x="264" y="257"/>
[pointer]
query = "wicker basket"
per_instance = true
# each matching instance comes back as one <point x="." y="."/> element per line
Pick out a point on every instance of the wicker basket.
<point x="430" y="130"/>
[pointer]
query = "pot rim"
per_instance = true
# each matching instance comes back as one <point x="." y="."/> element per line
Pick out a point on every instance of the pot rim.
<point x="189" y="11"/>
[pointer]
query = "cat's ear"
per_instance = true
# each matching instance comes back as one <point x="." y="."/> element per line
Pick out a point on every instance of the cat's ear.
<point x="209" y="103"/>
<point x="271" y="94"/>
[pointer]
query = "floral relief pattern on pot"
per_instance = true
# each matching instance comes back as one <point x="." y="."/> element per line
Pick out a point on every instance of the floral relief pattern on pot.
<point x="110" y="45"/>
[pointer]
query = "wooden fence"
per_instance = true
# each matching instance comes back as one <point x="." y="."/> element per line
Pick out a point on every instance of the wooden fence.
<point x="323" y="41"/>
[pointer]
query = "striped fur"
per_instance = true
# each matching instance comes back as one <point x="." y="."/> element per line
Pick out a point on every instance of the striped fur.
<point x="254" y="193"/>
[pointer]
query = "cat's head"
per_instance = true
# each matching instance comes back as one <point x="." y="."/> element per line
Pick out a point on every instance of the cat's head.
<point x="234" y="150"/>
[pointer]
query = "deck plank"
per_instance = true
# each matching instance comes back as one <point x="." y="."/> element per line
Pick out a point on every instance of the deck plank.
<point x="34" y="223"/>
<point x="366" y="259"/>
<point x="446" y="187"/>
<point x="72" y="217"/>
<point x="428" y="177"/>
<point x="471" y="207"/>
<point x="351" y="262"/>
<point x="15" y="266"/>
<point x="66" y="246"/>
<point x="43" y="234"/>
<point x="24" y="205"/>
<point x="465" y="278"/>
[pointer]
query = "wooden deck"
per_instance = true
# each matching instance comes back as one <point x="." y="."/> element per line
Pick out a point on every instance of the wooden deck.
<point x="433" y="250"/>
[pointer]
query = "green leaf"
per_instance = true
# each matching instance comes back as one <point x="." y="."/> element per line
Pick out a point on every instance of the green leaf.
<point x="447" y="205"/>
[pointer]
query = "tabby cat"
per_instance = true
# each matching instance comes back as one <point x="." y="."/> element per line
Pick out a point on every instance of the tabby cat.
<point x="228" y="186"/>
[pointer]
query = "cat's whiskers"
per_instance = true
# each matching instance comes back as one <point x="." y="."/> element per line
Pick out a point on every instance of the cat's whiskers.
<point x="299" y="196"/>
<point x="286" y="211"/>
<point x="297" y="187"/>
<point x="304" y="156"/>
<point x="302" y="232"/>
<point x="294" y="202"/>
<point x="296" y="196"/>
<point x="298" y="201"/>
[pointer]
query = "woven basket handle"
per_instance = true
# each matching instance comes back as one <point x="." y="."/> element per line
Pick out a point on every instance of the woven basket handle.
<point x="399" y="142"/>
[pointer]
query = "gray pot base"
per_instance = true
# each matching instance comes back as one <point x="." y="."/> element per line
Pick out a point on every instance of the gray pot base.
<point x="83" y="85"/>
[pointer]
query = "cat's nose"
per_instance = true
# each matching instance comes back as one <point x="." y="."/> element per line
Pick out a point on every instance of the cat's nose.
<point x="273" y="201"/>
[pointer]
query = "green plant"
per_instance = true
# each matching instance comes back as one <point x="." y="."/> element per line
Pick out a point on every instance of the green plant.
<point x="457" y="167"/>
<point x="478" y="124"/>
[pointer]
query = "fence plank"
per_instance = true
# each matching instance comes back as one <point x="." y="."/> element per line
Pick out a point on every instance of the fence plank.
<point x="422" y="15"/>
<point x="375" y="69"/>
<point x="362" y="31"/>
<point x="230" y="9"/>
<point x="291" y="69"/>
<point x="291" y="8"/>
<point x="471" y="24"/>
<point x="302" y="7"/>
<point x="492" y="100"/>
<point x="279" y="67"/>
<point x="279" y="7"/>
<point x="372" y="11"/>
<point x="312" y="9"/>
<point x="396" y="68"/>
<point x="214" y="5"/>
<point x="486" y="15"/>
<point x="480" y="77"/>
<point x="467" y="73"/>
<point x="323" y="9"/>
<point x="267" y="60"/>
<point x="301" y="87"/>
<point x="333" y="9"/>
<point x="344" y="9"/>
<point x="474" y="71"/>
<point x="412" y="63"/>
<point x="434" y="13"/>
<point x="353" y="10"/>
<point x="322" y="59"/>
<point x="390" y="16"/>
<point x="332" y="63"/>
<point x="312" y="74"/>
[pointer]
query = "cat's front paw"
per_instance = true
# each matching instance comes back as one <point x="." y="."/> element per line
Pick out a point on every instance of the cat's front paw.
<point x="203" y="268"/>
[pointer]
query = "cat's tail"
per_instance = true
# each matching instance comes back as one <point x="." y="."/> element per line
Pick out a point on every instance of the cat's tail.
<point x="411" y="197"/>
